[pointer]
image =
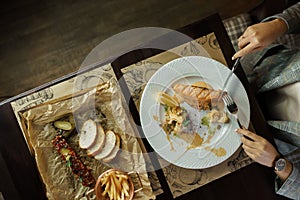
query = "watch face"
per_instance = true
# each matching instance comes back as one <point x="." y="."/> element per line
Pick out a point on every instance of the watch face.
<point x="280" y="164"/>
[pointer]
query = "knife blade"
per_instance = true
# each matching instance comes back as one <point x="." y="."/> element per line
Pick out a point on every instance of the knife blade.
<point x="237" y="61"/>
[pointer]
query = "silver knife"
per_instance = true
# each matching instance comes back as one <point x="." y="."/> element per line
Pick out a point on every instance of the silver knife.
<point x="237" y="61"/>
<point x="231" y="72"/>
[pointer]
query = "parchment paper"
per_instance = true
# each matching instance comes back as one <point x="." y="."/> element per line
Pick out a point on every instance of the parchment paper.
<point x="103" y="103"/>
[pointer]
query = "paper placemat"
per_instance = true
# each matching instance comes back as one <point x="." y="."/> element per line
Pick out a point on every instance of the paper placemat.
<point x="183" y="180"/>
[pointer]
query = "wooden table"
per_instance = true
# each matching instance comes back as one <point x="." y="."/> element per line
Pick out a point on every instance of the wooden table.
<point x="19" y="174"/>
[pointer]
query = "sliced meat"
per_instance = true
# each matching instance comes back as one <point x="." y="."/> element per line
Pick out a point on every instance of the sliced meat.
<point x="98" y="145"/>
<point x="114" y="152"/>
<point x="88" y="134"/>
<point x="110" y="141"/>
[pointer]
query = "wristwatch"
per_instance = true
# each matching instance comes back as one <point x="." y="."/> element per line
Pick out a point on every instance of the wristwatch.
<point x="280" y="164"/>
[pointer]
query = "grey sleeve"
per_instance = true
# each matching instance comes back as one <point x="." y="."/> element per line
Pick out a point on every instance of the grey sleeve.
<point x="291" y="186"/>
<point x="291" y="16"/>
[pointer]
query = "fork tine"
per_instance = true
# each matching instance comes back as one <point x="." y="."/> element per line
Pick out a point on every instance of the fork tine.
<point x="227" y="99"/>
<point x="231" y="106"/>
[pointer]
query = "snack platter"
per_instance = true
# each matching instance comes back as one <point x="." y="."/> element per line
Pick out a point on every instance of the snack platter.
<point x="66" y="156"/>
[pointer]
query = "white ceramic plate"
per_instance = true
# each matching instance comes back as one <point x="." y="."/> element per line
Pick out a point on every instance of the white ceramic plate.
<point x="188" y="70"/>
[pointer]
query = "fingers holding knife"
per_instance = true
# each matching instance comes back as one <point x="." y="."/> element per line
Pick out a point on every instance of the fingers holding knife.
<point x="248" y="133"/>
<point x="257" y="147"/>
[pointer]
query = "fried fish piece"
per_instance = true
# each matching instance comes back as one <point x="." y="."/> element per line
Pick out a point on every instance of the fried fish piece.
<point x="201" y="98"/>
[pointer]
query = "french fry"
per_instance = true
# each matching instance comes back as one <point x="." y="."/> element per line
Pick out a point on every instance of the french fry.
<point x="117" y="182"/>
<point x="125" y="188"/>
<point x="112" y="189"/>
<point x="115" y="185"/>
<point x="107" y="186"/>
<point x="118" y="196"/>
<point x="122" y="176"/>
<point x="104" y="180"/>
<point x="125" y="185"/>
<point x="122" y="195"/>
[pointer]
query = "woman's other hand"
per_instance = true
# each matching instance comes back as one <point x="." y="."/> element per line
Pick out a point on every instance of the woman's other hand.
<point x="258" y="148"/>
<point x="259" y="36"/>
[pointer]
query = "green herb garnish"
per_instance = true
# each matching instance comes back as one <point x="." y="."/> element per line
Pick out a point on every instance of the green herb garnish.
<point x="186" y="122"/>
<point x="205" y="121"/>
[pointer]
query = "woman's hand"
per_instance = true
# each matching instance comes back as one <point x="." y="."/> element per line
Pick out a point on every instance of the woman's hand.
<point x="258" y="148"/>
<point x="259" y="36"/>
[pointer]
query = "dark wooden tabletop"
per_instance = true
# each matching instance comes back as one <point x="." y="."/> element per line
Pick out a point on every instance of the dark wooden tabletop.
<point x="20" y="178"/>
<point x="46" y="40"/>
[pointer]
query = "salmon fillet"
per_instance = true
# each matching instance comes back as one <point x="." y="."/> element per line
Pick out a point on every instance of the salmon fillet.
<point x="198" y="97"/>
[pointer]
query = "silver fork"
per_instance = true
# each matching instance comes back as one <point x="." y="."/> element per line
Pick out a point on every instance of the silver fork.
<point x="231" y="107"/>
